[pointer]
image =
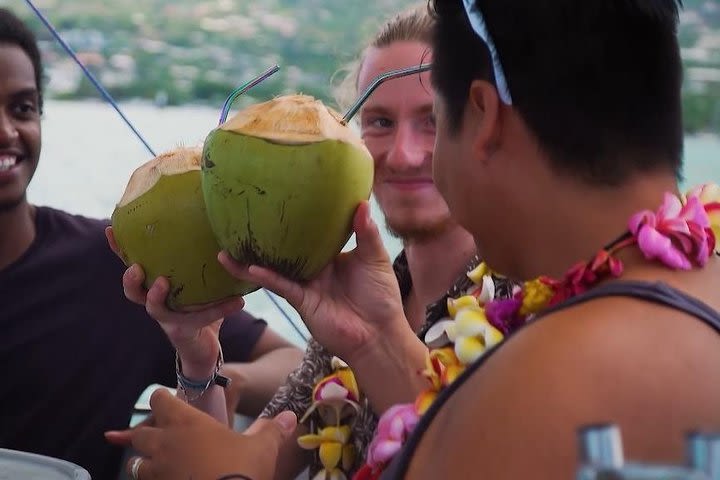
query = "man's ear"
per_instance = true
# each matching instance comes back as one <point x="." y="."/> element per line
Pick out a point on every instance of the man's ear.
<point x="483" y="117"/>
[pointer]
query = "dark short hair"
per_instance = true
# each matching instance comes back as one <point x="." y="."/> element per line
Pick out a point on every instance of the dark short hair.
<point x="598" y="82"/>
<point x="14" y="32"/>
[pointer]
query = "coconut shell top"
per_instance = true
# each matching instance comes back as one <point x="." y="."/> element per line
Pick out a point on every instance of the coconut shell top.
<point x="146" y="176"/>
<point x="292" y="120"/>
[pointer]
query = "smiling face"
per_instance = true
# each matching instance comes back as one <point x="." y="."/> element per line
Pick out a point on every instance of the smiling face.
<point x="19" y="125"/>
<point x="398" y="127"/>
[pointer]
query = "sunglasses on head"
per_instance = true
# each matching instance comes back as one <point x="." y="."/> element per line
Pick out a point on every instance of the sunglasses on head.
<point x="477" y="21"/>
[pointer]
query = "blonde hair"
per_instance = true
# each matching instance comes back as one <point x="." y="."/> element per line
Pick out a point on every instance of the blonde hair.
<point x="414" y="24"/>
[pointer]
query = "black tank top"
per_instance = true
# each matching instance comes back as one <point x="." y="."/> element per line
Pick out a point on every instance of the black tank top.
<point x="656" y="292"/>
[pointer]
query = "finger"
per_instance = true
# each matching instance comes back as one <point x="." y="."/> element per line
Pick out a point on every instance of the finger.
<point x="140" y="468"/>
<point x="205" y="306"/>
<point x="112" y="243"/>
<point x="156" y="306"/>
<point x="286" y="420"/>
<point x="367" y="235"/>
<point x="169" y="409"/>
<point x="157" y="296"/>
<point x="235" y="268"/>
<point x="215" y="312"/>
<point x="133" y="284"/>
<point x="145" y="440"/>
<point x="124" y="437"/>
<point x="274" y="431"/>
<point x="291" y="291"/>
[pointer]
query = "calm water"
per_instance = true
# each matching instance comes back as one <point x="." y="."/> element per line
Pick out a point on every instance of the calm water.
<point x="89" y="154"/>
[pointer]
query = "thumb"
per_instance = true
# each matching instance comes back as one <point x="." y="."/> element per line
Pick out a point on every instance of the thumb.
<point x="110" y="237"/>
<point x="168" y="409"/>
<point x="276" y="430"/>
<point x="369" y="243"/>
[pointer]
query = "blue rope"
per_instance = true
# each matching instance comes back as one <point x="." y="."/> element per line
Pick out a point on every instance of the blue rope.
<point x="287" y="317"/>
<point x="112" y="102"/>
<point x="88" y="74"/>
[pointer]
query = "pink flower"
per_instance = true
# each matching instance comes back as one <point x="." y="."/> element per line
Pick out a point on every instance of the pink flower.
<point x="393" y="428"/>
<point x="678" y="235"/>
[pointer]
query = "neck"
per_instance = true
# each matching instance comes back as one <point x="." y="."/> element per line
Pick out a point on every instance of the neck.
<point x="435" y="263"/>
<point x="578" y="221"/>
<point x="17" y="232"/>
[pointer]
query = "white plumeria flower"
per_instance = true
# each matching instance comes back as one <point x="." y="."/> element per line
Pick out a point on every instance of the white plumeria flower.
<point x="436" y="337"/>
<point x="337" y="363"/>
<point x="333" y="391"/>
<point x="488" y="290"/>
<point x="472" y="335"/>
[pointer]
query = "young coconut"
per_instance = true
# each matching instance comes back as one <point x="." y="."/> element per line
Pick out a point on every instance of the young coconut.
<point x="161" y="224"/>
<point x="282" y="180"/>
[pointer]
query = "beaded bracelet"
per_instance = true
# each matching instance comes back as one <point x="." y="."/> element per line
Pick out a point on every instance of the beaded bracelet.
<point x="185" y="384"/>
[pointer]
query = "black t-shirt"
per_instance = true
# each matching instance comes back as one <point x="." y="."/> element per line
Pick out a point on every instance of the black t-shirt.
<point x="75" y="354"/>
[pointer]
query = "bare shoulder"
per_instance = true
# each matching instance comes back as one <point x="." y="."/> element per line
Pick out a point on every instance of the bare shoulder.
<point x="613" y="332"/>
<point x="651" y="369"/>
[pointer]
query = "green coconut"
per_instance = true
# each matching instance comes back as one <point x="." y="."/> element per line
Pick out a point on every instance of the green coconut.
<point x="161" y="224"/>
<point x="282" y="180"/>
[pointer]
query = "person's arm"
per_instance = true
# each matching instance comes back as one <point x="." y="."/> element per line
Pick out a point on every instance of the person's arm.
<point x="388" y="369"/>
<point x="195" y="337"/>
<point x="254" y="382"/>
<point x="193" y="334"/>
<point x="645" y="368"/>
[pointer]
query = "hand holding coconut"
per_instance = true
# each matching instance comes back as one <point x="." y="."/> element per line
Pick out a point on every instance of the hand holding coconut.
<point x="160" y="230"/>
<point x="285" y="183"/>
<point x="353" y="308"/>
<point x="194" y="333"/>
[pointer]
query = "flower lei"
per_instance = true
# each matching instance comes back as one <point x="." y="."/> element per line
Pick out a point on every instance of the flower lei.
<point x="335" y="398"/>
<point x="681" y="234"/>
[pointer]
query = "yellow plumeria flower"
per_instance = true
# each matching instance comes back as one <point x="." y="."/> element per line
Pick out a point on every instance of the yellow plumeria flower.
<point x="477" y="273"/>
<point x="446" y="356"/>
<point x="311" y="441"/>
<point x="433" y="371"/>
<point x="424" y="400"/>
<point x="333" y="449"/>
<point x="536" y="296"/>
<point x="442" y="367"/>
<point x="453" y="367"/>
<point x="454" y="305"/>
<point x="469" y="323"/>
<point x="469" y="349"/>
